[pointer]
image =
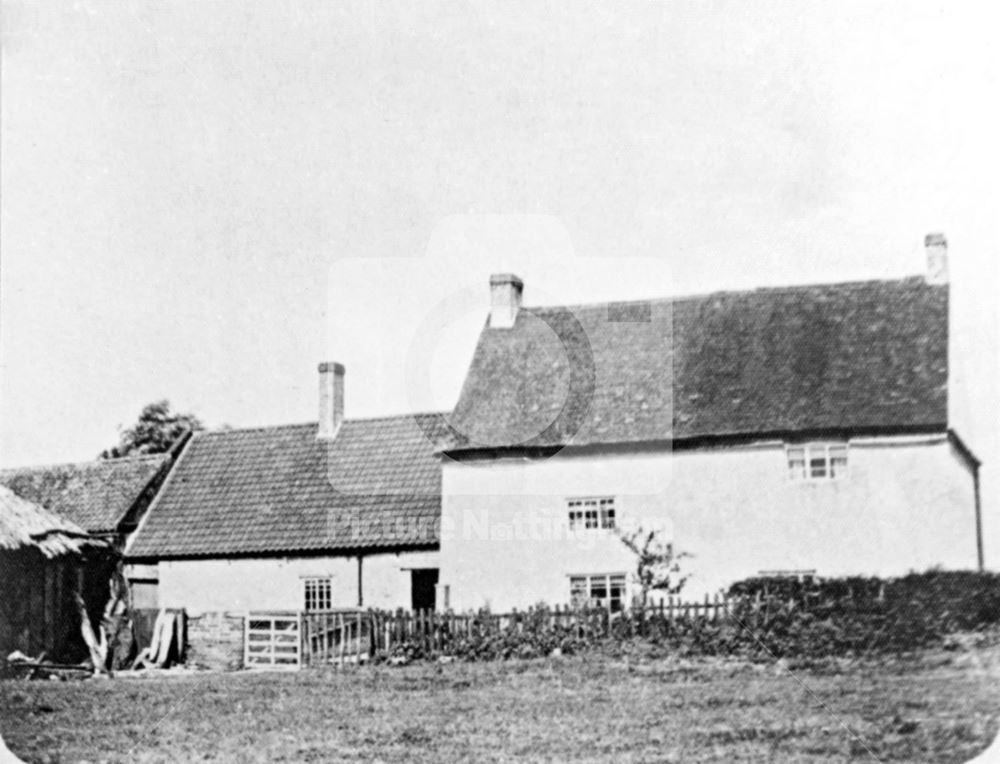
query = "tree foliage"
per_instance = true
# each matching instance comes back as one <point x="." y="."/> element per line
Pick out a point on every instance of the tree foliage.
<point x="657" y="563"/>
<point x="156" y="430"/>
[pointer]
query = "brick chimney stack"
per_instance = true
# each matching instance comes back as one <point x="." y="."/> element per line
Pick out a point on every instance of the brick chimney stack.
<point x="505" y="299"/>
<point x="937" y="258"/>
<point x="331" y="399"/>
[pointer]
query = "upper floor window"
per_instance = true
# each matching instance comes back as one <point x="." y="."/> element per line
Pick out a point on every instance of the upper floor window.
<point x="591" y="513"/>
<point x="319" y="594"/>
<point x="817" y="461"/>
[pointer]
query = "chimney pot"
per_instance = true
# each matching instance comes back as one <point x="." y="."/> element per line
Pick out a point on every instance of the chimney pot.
<point x="331" y="399"/>
<point x="937" y="258"/>
<point x="505" y="299"/>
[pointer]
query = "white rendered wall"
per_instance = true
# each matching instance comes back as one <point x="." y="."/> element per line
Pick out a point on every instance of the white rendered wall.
<point x="907" y="504"/>
<point x="276" y="583"/>
<point x="386" y="578"/>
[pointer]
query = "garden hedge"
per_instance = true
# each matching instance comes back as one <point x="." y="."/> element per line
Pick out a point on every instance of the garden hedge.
<point x="768" y="618"/>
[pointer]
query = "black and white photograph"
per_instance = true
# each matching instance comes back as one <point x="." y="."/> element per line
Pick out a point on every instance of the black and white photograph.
<point x="499" y="381"/>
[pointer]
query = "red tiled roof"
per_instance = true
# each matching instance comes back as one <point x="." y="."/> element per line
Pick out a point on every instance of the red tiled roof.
<point x="94" y="495"/>
<point x="863" y="355"/>
<point x="279" y="489"/>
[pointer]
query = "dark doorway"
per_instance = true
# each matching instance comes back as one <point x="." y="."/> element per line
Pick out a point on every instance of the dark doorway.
<point x="424" y="585"/>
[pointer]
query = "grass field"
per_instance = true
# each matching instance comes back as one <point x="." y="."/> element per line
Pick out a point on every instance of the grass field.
<point x="938" y="707"/>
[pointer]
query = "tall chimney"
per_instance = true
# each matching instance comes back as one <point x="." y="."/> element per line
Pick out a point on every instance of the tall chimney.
<point x="331" y="399"/>
<point x="505" y="299"/>
<point x="937" y="258"/>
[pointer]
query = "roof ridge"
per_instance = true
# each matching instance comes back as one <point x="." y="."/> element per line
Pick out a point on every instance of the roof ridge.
<point x="727" y="292"/>
<point x="88" y="463"/>
<point x="294" y="425"/>
<point x="251" y="428"/>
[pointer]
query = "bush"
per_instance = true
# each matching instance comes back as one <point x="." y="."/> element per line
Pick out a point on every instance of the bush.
<point x="849" y="616"/>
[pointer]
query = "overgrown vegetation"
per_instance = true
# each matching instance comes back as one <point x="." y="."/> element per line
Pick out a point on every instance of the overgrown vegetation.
<point x="767" y="619"/>
<point x="847" y="616"/>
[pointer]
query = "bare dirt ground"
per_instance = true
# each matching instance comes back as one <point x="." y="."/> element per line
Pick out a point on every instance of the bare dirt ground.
<point x="939" y="706"/>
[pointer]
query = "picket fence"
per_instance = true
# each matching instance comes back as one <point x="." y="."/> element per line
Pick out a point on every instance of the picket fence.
<point x="354" y="636"/>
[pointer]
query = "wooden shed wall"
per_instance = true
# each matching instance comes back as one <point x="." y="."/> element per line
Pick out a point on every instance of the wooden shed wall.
<point x="37" y="607"/>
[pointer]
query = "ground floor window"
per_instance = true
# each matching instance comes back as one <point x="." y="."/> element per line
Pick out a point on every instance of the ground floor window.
<point x="604" y="590"/>
<point x="319" y="593"/>
<point x="797" y="574"/>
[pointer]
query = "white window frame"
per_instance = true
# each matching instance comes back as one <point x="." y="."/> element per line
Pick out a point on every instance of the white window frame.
<point x="817" y="462"/>
<point x="591" y="513"/>
<point x="582" y="589"/>
<point x="317" y="593"/>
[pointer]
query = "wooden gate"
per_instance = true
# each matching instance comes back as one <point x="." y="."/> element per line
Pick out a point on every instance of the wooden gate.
<point x="273" y="640"/>
<point x="336" y="636"/>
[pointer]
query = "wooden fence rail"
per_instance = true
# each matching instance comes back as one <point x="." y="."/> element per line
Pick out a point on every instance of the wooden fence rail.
<point x="354" y="635"/>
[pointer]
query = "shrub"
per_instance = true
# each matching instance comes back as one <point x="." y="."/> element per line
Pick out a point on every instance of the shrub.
<point x="815" y="617"/>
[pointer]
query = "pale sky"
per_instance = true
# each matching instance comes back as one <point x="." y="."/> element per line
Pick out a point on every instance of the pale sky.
<point x="202" y="200"/>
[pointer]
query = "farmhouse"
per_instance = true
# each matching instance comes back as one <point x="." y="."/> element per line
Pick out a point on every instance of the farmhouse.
<point x="779" y="430"/>
<point x="336" y="514"/>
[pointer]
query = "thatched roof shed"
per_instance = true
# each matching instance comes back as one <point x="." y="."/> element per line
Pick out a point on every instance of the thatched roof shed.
<point x="24" y="525"/>
<point x="45" y="561"/>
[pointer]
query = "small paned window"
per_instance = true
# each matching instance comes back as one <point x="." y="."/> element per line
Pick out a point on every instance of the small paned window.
<point x="601" y="590"/>
<point x="817" y="461"/>
<point x="318" y="594"/>
<point x="591" y="514"/>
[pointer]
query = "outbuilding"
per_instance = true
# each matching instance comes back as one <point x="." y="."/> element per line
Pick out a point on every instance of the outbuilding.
<point x="339" y="513"/>
<point x="46" y="561"/>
